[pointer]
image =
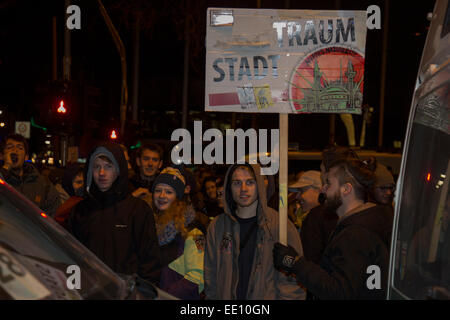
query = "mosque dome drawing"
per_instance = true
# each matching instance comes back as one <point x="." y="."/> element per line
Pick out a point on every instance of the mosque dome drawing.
<point x="326" y="89"/>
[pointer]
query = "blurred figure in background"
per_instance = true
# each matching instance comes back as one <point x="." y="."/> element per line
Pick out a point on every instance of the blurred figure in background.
<point x="56" y="177"/>
<point x="211" y="206"/>
<point x="295" y="212"/>
<point x="201" y="174"/>
<point x="220" y="199"/>
<point x="149" y="160"/>
<point x="308" y="188"/>
<point x="73" y="184"/>
<point x="383" y="190"/>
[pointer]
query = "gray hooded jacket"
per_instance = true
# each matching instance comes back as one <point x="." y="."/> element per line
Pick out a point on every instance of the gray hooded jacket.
<point x="221" y="272"/>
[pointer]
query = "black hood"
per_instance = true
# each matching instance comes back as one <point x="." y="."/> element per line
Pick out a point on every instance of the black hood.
<point x="119" y="189"/>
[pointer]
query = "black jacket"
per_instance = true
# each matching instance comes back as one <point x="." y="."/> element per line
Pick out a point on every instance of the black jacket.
<point x="35" y="187"/>
<point x="316" y="230"/>
<point x="117" y="227"/>
<point x="137" y="182"/>
<point x="359" y="241"/>
<point x="211" y="208"/>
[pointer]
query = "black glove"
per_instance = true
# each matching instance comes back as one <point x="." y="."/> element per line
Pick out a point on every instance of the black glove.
<point x="285" y="258"/>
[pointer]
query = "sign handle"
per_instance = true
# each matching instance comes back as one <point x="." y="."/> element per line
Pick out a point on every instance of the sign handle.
<point x="283" y="176"/>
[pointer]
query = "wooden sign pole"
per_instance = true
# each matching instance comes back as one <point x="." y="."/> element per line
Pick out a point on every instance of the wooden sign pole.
<point x="283" y="176"/>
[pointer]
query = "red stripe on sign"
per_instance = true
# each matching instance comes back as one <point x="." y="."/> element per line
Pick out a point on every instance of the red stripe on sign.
<point x="223" y="99"/>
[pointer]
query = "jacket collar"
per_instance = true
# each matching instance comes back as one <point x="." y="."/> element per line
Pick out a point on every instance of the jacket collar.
<point x="30" y="174"/>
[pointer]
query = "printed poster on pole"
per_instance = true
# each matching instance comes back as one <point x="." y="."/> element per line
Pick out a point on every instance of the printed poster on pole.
<point x="284" y="61"/>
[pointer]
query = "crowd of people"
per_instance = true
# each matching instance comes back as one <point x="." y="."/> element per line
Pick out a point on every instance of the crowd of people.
<point x="200" y="233"/>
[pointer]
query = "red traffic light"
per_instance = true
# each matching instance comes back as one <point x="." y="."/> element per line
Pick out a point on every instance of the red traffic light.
<point x="113" y="134"/>
<point x="61" y="108"/>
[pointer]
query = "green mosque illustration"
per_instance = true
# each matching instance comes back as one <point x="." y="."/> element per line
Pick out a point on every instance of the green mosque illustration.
<point x="331" y="96"/>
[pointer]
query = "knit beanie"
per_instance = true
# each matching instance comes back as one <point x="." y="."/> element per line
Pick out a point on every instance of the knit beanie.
<point x="383" y="176"/>
<point x="172" y="177"/>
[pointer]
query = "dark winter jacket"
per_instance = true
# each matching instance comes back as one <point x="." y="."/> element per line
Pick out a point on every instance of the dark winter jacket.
<point x="137" y="182"/>
<point x="117" y="227"/>
<point x="35" y="187"/>
<point x="359" y="241"/>
<point x="211" y="208"/>
<point x="316" y="230"/>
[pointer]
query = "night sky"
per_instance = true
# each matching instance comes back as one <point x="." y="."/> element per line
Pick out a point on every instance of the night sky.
<point x="26" y="67"/>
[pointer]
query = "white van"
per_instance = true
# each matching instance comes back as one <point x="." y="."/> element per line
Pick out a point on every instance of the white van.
<point x="420" y="251"/>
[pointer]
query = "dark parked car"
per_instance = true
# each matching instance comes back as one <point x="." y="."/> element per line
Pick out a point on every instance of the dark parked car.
<point x="40" y="260"/>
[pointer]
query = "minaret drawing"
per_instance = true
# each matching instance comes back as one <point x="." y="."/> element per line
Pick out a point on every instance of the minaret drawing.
<point x="331" y="96"/>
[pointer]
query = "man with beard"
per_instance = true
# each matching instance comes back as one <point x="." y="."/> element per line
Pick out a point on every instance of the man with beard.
<point x="359" y="244"/>
<point x="321" y="221"/>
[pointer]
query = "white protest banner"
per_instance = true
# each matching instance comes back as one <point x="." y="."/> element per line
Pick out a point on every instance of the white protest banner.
<point x="284" y="61"/>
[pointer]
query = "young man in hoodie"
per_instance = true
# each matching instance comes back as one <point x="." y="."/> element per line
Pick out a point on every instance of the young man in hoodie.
<point x="355" y="262"/>
<point x="117" y="227"/>
<point x="238" y="254"/>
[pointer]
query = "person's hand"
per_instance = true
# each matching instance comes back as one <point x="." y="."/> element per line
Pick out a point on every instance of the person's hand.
<point x="285" y="258"/>
<point x="141" y="193"/>
<point x="8" y="163"/>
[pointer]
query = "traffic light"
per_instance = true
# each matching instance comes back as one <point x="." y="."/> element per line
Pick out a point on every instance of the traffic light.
<point x="62" y="109"/>
<point x="61" y="114"/>
<point x="113" y="135"/>
<point x="61" y="98"/>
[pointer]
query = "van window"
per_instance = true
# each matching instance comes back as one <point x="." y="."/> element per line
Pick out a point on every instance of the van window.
<point x="422" y="249"/>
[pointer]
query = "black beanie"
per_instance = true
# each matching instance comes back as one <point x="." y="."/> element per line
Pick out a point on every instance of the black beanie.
<point x="172" y="177"/>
